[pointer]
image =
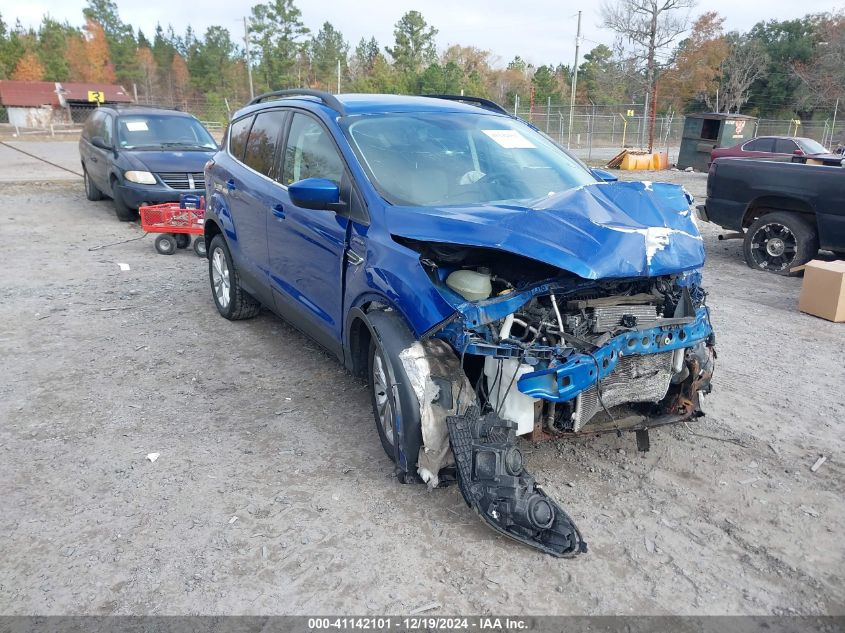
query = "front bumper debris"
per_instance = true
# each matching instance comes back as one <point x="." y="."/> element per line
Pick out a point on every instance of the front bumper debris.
<point x="494" y="482"/>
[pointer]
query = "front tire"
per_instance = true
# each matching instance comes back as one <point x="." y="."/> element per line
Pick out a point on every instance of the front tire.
<point x="396" y="408"/>
<point x="232" y="301"/>
<point x="121" y="210"/>
<point x="780" y="241"/>
<point x="91" y="190"/>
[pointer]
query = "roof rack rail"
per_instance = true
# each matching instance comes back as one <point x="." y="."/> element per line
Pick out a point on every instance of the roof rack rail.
<point x="129" y="106"/>
<point x="479" y="101"/>
<point x="328" y="99"/>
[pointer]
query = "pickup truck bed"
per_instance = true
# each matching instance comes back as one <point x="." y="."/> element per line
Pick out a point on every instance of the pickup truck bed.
<point x="787" y="211"/>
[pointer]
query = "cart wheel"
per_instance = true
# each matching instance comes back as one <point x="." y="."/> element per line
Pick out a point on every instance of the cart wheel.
<point x="165" y="244"/>
<point x="183" y="240"/>
<point x="199" y="246"/>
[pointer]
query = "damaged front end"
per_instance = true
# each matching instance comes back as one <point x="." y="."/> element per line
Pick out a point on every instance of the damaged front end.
<point x="549" y="352"/>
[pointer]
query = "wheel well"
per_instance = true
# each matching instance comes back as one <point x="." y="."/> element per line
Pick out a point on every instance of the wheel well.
<point x="211" y="229"/>
<point x="771" y="204"/>
<point x="359" y="346"/>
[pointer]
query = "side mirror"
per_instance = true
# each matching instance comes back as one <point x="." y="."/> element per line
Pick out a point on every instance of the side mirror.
<point x="314" y="193"/>
<point x="99" y="141"/>
<point x="603" y="175"/>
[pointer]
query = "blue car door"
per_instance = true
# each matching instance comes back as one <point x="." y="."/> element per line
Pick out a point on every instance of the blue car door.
<point x="252" y="191"/>
<point x="307" y="247"/>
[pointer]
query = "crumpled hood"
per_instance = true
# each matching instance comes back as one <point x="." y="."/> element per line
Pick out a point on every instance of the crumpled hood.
<point x="605" y="230"/>
<point x="172" y="160"/>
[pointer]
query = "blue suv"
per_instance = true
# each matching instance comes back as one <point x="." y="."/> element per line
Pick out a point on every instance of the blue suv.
<point x="486" y="282"/>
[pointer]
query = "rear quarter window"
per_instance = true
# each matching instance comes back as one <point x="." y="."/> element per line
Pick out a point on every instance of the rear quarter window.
<point x="238" y="133"/>
<point x="264" y="138"/>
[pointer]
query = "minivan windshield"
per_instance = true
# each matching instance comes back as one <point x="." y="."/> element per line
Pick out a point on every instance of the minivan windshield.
<point x="426" y="159"/>
<point x="161" y="131"/>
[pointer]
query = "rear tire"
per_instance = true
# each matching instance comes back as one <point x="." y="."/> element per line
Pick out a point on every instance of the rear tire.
<point x="183" y="240"/>
<point x="91" y="190"/>
<point x="232" y="301"/>
<point x="199" y="247"/>
<point x="123" y="212"/>
<point x="780" y="241"/>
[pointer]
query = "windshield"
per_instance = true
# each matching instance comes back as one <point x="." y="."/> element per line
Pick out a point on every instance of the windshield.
<point x="425" y="159"/>
<point x="809" y="146"/>
<point x="152" y="131"/>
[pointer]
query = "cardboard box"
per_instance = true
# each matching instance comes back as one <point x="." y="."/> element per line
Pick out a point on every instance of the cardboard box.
<point x="823" y="290"/>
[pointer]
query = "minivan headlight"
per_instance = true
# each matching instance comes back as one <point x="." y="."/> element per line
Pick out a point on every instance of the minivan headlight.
<point x="141" y="177"/>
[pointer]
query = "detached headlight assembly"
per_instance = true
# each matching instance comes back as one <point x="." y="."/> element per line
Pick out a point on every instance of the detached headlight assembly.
<point x="141" y="177"/>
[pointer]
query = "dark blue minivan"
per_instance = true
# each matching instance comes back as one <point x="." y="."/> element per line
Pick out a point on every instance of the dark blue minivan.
<point x="141" y="155"/>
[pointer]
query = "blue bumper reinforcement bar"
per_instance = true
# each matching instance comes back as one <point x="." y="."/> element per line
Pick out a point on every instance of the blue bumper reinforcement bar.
<point x="563" y="382"/>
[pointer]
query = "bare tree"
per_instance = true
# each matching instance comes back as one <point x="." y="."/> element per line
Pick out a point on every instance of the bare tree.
<point x="746" y="62"/>
<point x="648" y="26"/>
<point x="824" y="75"/>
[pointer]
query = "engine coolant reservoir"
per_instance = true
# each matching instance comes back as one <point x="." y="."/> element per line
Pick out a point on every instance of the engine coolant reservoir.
<point x="470" y="284"/>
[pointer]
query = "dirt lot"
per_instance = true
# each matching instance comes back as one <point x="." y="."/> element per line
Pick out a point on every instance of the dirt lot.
<point x="272" y="494"/>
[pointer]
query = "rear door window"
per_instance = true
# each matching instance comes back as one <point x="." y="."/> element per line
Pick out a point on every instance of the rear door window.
<point x="758" y="145"/>
<point x="264" y="138"/>
<point x="238" y="133"/>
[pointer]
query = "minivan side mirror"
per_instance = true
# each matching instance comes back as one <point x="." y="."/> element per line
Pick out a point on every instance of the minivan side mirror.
<point x="603" y="175"/>
<point x="99" y="141"/>
<point x="314" y="193"/>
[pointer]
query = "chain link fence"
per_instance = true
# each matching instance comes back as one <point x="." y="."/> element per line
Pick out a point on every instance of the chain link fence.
<point x="598" y="132"/>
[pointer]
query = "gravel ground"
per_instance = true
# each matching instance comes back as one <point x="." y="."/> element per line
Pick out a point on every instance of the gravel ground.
<point x="272" y="494"/>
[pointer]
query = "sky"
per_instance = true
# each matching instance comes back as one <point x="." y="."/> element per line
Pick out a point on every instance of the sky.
<point x="540" y="31"/>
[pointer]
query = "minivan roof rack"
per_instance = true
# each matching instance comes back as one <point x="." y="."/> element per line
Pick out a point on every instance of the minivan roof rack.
<point x="328" y="99"/>
<point x="479" y="101"/>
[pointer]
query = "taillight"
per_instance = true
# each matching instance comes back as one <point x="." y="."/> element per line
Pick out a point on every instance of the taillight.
<point x="711" y="173"/>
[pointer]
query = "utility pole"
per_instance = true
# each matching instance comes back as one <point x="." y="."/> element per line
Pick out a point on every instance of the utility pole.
<point x="338" y="75"/>
<point x="248" y="63"/>
<point x="833" y="127"/>
<point x="574" y="82"/>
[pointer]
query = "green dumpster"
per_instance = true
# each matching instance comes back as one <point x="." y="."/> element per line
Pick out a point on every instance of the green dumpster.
<point x="707" y="130"/>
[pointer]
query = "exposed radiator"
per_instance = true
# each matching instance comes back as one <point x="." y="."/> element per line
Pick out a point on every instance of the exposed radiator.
<point x="609" y="318"/>
<point x="638" y="378"/>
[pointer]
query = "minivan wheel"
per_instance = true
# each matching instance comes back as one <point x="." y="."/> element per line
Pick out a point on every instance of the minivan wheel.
<point x="232" y="301"/>
<point x="780" y="241"/>
<point x="91" y="191"/>
<point x="123" y="212"/>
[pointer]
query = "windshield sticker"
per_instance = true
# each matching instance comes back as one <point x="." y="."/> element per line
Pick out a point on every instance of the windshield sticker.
<point x="136" y="126"/>
<point x="510" y="139"/>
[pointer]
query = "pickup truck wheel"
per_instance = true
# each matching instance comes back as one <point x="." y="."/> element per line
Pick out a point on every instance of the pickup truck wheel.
<point x="232" y="301"/>
<point x="778" y="242"/>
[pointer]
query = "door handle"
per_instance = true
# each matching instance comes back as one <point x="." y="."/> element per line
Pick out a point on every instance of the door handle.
<point x="279" y="211"/>
<point x="230" y="185"/>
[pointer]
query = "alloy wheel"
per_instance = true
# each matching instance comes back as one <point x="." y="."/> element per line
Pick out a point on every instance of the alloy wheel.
<point x="381" y="392"/>
<point x="774" y="247"/>
<point x="220" y="278"/>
